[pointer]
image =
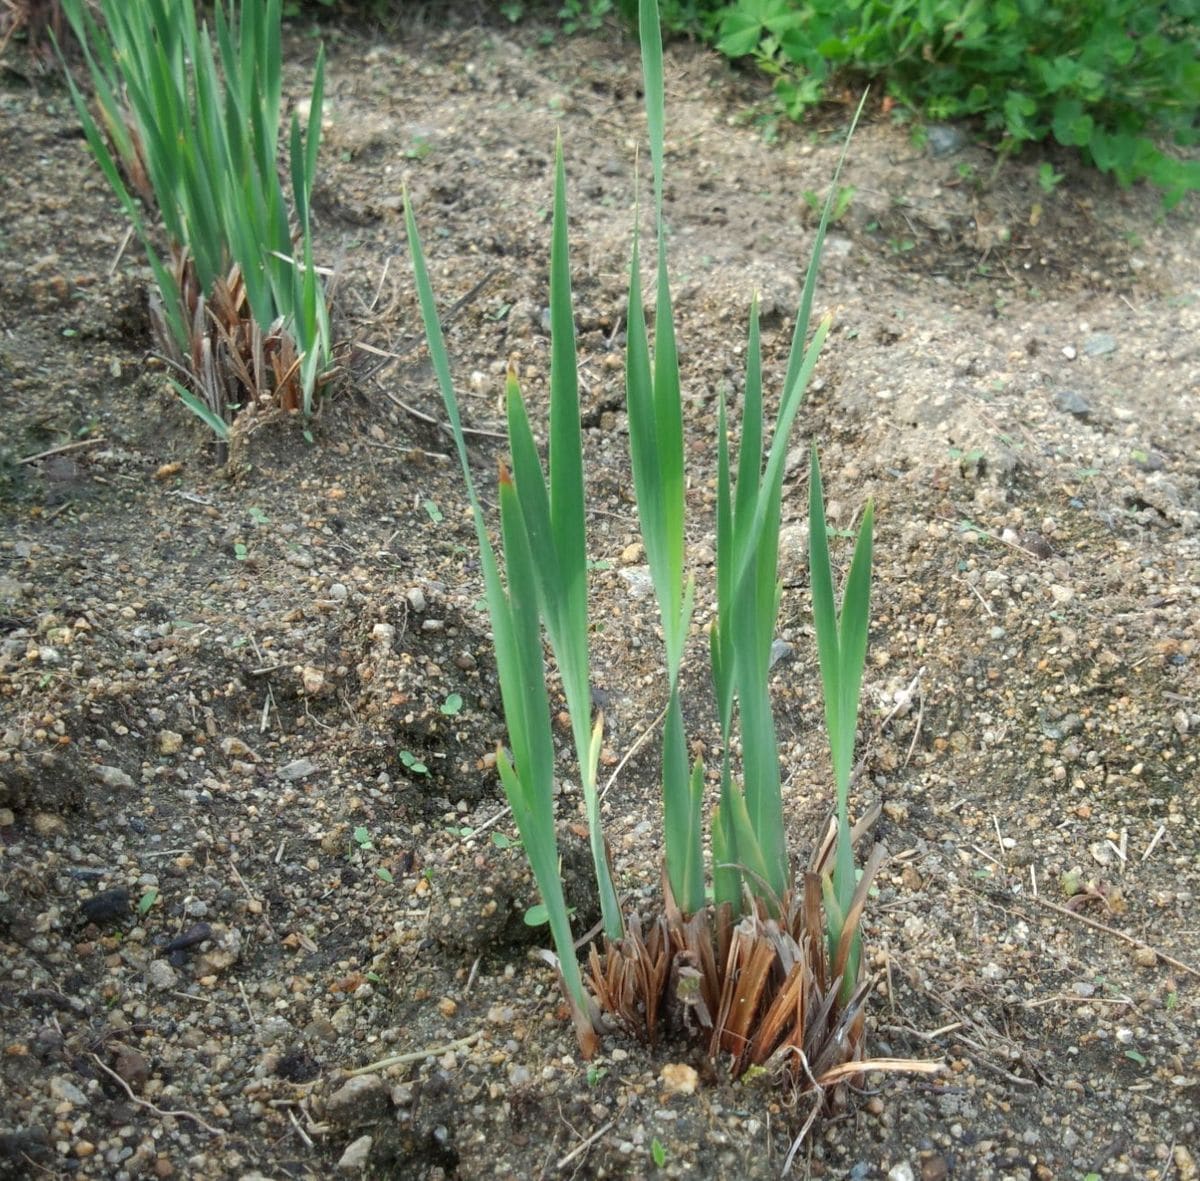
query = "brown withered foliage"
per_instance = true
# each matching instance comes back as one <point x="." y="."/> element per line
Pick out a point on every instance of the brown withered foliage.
<point x="232" y="360"/>
<point x="764" y="990"/>
<point x="33" y="21"/>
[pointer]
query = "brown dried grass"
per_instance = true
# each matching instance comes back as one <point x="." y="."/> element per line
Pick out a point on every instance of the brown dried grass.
<point x="757" y="991"/>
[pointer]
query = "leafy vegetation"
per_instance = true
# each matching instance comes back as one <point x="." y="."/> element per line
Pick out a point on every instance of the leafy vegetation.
<point x="1110" y="77"/>
<point x="1117" y="79"/>
<point x="191" y="130"/>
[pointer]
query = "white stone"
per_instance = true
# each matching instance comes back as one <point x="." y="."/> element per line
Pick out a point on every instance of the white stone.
<point x="354" y="1159"/>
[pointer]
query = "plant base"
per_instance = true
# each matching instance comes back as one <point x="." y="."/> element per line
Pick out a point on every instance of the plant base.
<point x="756" y="991"/>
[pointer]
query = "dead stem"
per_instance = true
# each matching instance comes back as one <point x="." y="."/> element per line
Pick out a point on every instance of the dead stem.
<point x="150" y="1106"/>
<point x="415" y="1056"/>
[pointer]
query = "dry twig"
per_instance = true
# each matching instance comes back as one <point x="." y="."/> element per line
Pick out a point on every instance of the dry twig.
<point x="77" y="445"/>
<point x="583" y="1146"/>
<point x="150" y="1106"/>
<point x="415" y="1056"/>
<point x="1130" y="939"/>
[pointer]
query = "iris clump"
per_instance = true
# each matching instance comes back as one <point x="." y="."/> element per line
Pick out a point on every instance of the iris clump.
<point x="763" y="967"/>
<point x="186" y="127"/>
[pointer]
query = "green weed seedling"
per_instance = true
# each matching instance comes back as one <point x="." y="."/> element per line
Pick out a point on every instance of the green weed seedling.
<point x="841" y="202"/>
<point x="1048" y="179"/>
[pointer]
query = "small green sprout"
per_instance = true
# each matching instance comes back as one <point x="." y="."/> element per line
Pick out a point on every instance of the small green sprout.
<point x="538" y="915"/>
<point x="843" y="199"/>
<point x="418" y="149"/>
<point x="1048" y="179"/>
<point x="452" y="706"/>
<point x="410" y="762"/>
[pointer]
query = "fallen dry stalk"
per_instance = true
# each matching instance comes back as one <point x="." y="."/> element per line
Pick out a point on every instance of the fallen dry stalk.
<point x="1132" y="940"/>
<point x="415" y="1056"/>
<point x="62" y="450"/>
<point x="150" y="1106"/>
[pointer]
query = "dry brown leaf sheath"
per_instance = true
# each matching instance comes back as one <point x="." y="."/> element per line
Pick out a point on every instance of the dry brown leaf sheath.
<point x="761" y="992"/>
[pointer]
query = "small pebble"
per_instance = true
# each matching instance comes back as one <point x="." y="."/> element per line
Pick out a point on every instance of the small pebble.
<point x="65" y="1091"/>
<point x="47" y="824"/>
<point x="109" y="906"/>
<point x="169" y="743"/>
<point x="1071" y="402"/>
<point x="133" y="1068"/>
<point x="944" y="139"/>
<point x="1099" y="344"/>
<point x="1185" y="1164"/>
<point x="235" y="748"/>
<point x="359" y="1099"/>
<point x="679" y="1079"/>
<point x="112" y="777"/>
<point x="297" y="769"/>
<point x="354" y="1159"/>
<point x="195" y="934"/>
<point x="161" y="975"/>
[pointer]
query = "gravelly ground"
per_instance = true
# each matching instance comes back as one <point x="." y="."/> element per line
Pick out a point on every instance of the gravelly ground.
<point x="225" y="696"/>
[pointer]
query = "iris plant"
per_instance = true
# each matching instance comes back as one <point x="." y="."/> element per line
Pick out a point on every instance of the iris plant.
<point x="192" y="129"/>
<point x="799" y="984"/>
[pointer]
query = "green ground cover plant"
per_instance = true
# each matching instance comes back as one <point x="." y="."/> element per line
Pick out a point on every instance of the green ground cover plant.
<point x="1117" y="79"/>
<point x="762" y="968"/>
<point x="186" y="125"/>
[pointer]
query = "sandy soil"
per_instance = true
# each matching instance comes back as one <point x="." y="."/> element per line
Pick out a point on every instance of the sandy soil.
<point x="246" y="833"/>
